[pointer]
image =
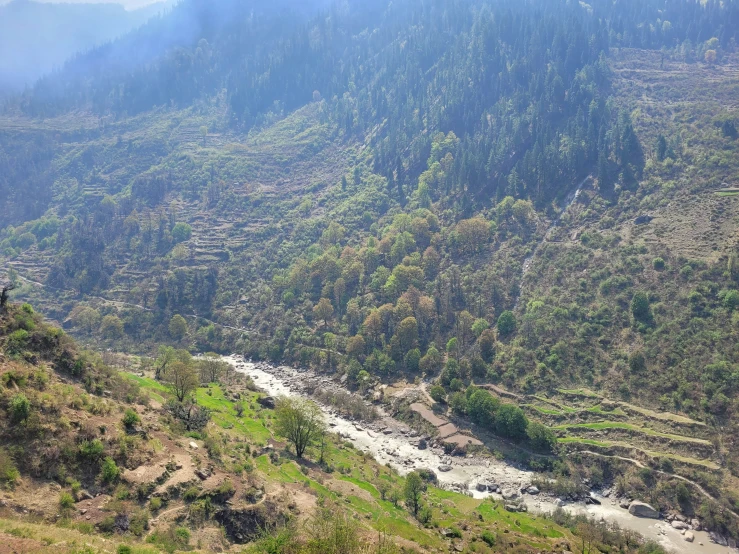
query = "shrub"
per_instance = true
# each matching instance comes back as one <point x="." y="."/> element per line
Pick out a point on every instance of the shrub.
<point x="124" y="549"/>
<point x="542" y="437"/>
<point x="131" y="418"/>
<point x="438" y="393"/>
<point x="239" y="409"/>
<point x="20" y="408"/>
<point x="155" y="504"/>
<point x="658" y="264"/>
<point x="506" y="323"/>
<point x="66" y="501"/>
<point x="511" y="422"/>
<point x="731" y="299"/>
<point x="640" y="307"/>
<point x="8" y="472"/>
<point x="191" y="494"/>
<point x="109" y="472"/>
<point x="92" y="449"/>
<point x="488" y="538"/>
<point x="17" y="342"/>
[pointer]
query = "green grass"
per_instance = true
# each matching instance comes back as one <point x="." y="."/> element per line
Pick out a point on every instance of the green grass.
<point x="599" y="410"/>
<point x="606" y="425"/>
<point x="578" y="392"/>
<point x="652" y="453"/>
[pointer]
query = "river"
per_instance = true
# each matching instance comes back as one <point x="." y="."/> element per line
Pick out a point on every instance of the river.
<point x="392" y="442"/>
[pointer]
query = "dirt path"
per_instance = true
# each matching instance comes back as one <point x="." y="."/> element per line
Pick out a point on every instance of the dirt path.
<point x="639" y="464"/>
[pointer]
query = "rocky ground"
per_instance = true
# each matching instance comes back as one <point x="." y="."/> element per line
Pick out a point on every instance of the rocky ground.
<point x="480" y="475"/>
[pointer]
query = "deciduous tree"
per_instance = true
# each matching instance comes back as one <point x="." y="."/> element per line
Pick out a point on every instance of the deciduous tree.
<point x="300" y="421"/>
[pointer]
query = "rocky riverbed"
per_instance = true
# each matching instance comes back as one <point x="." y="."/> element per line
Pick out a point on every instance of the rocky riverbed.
<point x="392" y="442"/>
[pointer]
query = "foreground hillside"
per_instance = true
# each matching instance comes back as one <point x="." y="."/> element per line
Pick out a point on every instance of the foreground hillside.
<point x="92" y="461"/>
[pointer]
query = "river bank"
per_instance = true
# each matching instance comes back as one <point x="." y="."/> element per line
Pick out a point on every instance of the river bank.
<point x="394" y="443"/>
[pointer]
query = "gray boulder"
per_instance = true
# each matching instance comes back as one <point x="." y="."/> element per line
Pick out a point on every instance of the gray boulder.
<point x="642" y="509"/>
<point x="267" y="402"/>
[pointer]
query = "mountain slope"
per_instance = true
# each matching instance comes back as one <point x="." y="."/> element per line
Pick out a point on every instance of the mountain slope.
<point x="36" y="38"/>
<point x="439" y="191"/>
<point x="92" y="461"/>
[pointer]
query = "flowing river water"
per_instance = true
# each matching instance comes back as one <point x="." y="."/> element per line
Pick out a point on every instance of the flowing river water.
<point x="392" y="442"/>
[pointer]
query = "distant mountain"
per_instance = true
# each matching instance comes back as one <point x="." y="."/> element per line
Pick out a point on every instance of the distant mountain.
<point x="36" y="37"/>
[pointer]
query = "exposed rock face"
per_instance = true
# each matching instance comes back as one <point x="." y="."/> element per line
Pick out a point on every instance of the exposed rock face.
<point x="516" y="507"/>
<point x="510" y="494"/>
<point x="718" y="539"/>
<point x="267" y="402"/>
<point x="244" y="525"/>
<point x="641" y="509"/>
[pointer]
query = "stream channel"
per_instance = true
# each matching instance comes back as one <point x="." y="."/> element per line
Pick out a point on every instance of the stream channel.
<point x="392" y="442"/>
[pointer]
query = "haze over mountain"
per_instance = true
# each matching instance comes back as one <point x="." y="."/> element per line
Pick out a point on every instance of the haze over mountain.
<point x="36" y="37"/>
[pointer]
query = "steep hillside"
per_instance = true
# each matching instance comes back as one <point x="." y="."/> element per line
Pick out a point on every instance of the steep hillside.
<point x="95" y="461"/>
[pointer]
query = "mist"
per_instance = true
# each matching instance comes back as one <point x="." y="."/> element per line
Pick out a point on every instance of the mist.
<point x="37" y="37"/>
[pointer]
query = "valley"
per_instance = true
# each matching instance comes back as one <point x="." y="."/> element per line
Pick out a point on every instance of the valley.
<point x="499" y="238"/>
<point x="396" y="445"/>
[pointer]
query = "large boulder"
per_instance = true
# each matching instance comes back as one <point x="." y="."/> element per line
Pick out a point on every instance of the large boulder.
<point x="689" y="536"/>
<point x="680" y="525"/>
<point x="510" y="494"/>
<point x="642" y="509"/>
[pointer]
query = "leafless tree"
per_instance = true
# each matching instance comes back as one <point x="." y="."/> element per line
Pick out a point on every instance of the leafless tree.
<point x="5" y="295"/>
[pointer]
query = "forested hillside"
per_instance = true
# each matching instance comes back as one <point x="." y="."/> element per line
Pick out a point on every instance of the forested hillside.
<point x="539" y="196"/>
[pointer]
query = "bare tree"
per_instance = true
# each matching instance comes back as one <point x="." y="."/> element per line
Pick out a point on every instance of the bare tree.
<point x="5" y="295"/>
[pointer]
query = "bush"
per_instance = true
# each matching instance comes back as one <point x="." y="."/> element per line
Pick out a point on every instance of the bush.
<point x="542" y="438"/>
<point x="511" y="422"/>
<point x="181" y="232"/>
<point x="488" y="538"/>
<point x="438" y="393"/>
<point x="658" y="264"/>
<point x="191" y="494"/>
<point x="92" y="449"/>
<point x="8" y="472"/>
<point x="131" y="418"/>
<point x="640" y="307"/>
<point x="20" y="408"/>
<point x="155" y="504"/>
<point x="109" y="472"/>
<point x="66" y="501"/>
<point x="124" y="549"/>
<point x="506" y="323"/>
<point x="731" y="299"/>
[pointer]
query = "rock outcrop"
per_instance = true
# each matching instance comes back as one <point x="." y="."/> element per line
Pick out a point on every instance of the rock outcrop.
<point x="244" y="525"/>
<point x="642" y="509"/>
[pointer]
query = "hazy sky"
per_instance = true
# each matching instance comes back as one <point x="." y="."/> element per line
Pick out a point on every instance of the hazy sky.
<point x="128" y="4"/>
